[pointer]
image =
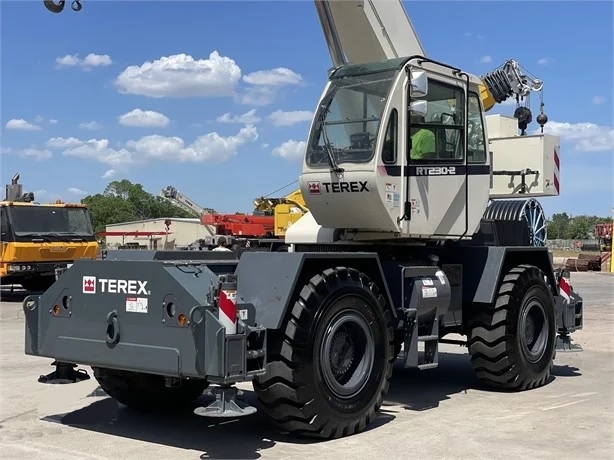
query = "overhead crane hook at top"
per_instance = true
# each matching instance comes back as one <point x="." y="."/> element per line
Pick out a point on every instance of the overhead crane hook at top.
<point x="58" y="7"/>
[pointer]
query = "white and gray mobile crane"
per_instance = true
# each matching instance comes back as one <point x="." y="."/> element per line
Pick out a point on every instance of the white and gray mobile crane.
<point x="423" y="223"/>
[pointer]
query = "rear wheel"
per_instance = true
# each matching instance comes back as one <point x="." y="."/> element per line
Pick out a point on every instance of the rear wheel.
<point x="512" y="344"/>
<point x="329" y="369"/>
<point x="148" y="391"/>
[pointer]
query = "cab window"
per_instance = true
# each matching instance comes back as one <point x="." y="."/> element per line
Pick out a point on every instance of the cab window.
<point x="476" y="145"/>
<point x="438" y="137"/>
<point x="389" y="151"/>
<point x="4" y="223"/>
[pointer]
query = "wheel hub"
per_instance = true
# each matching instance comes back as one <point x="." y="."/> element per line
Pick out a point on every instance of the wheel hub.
<point x="533" y="330"/>
<point x="341" y="353"/>
<point x="347" y="354"/>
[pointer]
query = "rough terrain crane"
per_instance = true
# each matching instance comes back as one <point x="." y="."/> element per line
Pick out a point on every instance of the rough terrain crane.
<point x="405" y="243"/>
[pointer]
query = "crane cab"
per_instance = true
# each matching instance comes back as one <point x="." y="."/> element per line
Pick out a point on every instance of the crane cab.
<point x="397" y="149"/>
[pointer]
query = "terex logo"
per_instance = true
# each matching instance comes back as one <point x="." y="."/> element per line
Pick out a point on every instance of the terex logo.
<point x="114" y="286"/>
<point x="346" y="187"/>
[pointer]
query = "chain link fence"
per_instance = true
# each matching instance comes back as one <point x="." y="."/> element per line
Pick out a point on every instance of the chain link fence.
<point x="588" y="245"/>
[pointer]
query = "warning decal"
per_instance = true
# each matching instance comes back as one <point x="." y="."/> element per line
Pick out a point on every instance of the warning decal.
<point x="136" y="304"/>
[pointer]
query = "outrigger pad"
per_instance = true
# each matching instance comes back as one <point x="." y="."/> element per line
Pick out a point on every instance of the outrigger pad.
<point x="563" y="344"/>
<point x="226" y="404"/>
<point x="64" y="373"/>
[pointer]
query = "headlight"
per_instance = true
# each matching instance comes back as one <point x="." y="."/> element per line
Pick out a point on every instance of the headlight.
<point x="20" y="268"/>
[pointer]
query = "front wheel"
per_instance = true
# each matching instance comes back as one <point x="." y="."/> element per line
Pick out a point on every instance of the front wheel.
<point x="512" y="343"/>
<point x="329" y="369"/>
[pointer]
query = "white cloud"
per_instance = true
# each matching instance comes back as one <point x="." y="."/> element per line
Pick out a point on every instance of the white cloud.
<point x="281" y="118"/>
<point x="265" y="85"/>
<point x="143" y="119"/>
<point x="586" y="137"/>
<point x="181" y="75"/>
<point x="64" y="142"/>
<point x="543" y="61"/>
<point x="77" y="191"/>
<point x="53" y="121"/>
<point x="5" y="150"/>
<point x="256" y="96"/>
<point x="290" y="150"/>
<point x="93" y="149"/>
<point x="21" y="124"/>
<point x="486" y="59"/>
<point x="280" y="76"/>
<point x="207" y="148"/>
<point x="597" y="100"/>
<point x="91" y="125"/>
<point x="36" y="154"/>
<point x="87" y="63"/>
<point x="38" y="119"/>
<point x="247" y="118"/>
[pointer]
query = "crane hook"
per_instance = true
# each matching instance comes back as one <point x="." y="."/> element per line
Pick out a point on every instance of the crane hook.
<point x="54" y="7"/>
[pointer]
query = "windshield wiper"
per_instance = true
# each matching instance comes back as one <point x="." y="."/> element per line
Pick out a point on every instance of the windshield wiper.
<point x="35" y="237"/>
<point x="75" y="236"/>
<point x="329" y="151"/>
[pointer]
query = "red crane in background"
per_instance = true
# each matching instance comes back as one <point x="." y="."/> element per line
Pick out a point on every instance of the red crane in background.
<point x="241" y="225"/>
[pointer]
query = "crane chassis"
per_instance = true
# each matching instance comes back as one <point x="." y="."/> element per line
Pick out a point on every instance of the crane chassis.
<point x="396" y="256"/>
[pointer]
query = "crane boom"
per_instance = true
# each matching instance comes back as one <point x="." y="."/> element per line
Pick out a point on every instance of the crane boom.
<point x="360" y="31"/>
<point x="171" y="194"/>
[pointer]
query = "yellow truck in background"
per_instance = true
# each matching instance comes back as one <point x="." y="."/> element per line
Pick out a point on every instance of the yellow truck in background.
<point x="38" y="238"/>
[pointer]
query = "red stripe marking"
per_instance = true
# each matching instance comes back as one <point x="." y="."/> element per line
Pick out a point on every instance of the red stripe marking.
<point x="228" y="307"/>
<point x="556" y="184"/>
<point x="556" y="160"/>
<point x="564" y="286"/>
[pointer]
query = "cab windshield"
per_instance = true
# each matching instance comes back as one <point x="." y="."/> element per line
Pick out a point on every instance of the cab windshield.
<point x="349" y="117"/>
<point x="45" y="221"/>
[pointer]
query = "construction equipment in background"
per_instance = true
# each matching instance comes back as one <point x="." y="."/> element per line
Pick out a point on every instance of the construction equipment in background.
<point x="285" y="211"/>
<point x="268" y="223"/>
<point x="408" y="239"/>
<point x="181" y="201"/>
<point x="39" y="238"/>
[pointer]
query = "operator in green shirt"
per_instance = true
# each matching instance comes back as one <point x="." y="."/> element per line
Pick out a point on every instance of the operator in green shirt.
<point x="422" y="143"/>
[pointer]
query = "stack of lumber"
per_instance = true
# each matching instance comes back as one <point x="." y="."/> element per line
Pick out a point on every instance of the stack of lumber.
<point x="584" y="263"/>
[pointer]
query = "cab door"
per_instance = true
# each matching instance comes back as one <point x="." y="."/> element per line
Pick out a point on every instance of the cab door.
<point x="444" y="199"/>
<point x="390" y="164"/>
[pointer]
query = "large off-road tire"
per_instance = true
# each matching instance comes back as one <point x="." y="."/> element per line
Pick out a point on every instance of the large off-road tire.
<point x="147" y="392"/>
<point x="329" y="368"/>
<point x="512" y="343"/>
<point x="38" y="284"/>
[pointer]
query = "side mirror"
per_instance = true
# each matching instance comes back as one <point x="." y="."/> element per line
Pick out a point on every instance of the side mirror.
<point x="418" y="108"/>
<point x="419" y="85"/>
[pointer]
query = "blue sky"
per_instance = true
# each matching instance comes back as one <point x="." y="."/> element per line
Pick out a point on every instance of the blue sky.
<point x="90" y="97"/>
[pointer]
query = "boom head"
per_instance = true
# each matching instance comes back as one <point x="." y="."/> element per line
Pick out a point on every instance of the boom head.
<point x="397" y="149"/>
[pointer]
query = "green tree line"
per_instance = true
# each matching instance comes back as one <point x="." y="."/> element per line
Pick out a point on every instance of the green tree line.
<point x="123" y="201"/>
<point x="563" y="226"/>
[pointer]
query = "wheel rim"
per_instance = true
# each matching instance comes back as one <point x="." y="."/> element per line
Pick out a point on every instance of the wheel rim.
<point x="536" y="220"/>
<point x="347" y="354"/>
<point x="533" y="330"/>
